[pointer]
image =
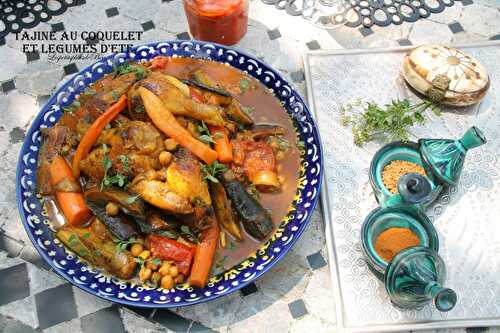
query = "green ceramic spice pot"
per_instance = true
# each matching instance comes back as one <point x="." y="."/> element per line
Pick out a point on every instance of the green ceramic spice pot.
<point x="414" y="276"/>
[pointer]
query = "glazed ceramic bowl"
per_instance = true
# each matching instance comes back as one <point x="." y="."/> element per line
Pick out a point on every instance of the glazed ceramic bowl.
<point x="382" y="219"/>
<point x="406" y="151"/>
<point x="96" y="282"/>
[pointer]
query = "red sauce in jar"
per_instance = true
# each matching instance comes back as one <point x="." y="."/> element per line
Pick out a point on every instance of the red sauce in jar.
<point x="218" y="21"/>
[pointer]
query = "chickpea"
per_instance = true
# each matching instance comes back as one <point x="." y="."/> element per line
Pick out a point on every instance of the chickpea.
<point x="165" y="158"/>
<point x="179" y="279"/>
<point x="152" y="265"/>
<point x="173" y="271"/>
<point x="112" y="209"/>
<point x="144" y="255"/>
<point x="165" y="268"/>
<point x="170" y="144"/>
<point x="167" y="282"/>
<point x="145" y="273"/>
<point x="136" y="249"/>
<point x="155" y="277"/>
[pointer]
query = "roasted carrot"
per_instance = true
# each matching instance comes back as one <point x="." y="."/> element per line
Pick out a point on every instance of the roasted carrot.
<point x="204" y="256"/>
<point x="222" y="145"/>
<point x="94" y="131"/>
<point x="72" y="203"/>
<point x="166" y="122"/>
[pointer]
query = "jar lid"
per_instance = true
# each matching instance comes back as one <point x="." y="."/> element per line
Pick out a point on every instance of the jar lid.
<point x="415" y="277"/>
<point x="446" y="74"/>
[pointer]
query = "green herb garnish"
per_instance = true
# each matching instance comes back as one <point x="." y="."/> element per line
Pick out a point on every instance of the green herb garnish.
<point x="140" y="261"/>
<point x="128" y="68"/>
<point x="121" y="245"/>
<point x="156" y="261"/>
<point x="189" y="234"/>
<point x="124" y="159"/>
<point x="248" y="109"/>
<point x="117" y="179"/>
<point x="172" y="234"/>
<point x="283" y="145"/>
<point x="130" y="200"/>
<point x="205" y="135"/>
<point x="115" y="95"/>
<point x="244" y="85"/>
<point x="73" y="241"/>
<point x="211" y="171"/>
<point x="390" y="122"/>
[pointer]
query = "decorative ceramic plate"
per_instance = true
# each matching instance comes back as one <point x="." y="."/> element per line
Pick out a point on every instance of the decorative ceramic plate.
<point x="95" y="281"/>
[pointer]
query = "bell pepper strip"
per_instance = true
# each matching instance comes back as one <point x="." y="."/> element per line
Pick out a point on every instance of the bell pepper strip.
<point x="158" y="63"/>
<point x="169" y="249"/>
<point x="222" y="145"/>
<point x="72" y="203"/>
<point x="94" y="131"/>
<point x="204" y="257"/>
<point x="166" y="122"/>
<point x="196" y="95"/>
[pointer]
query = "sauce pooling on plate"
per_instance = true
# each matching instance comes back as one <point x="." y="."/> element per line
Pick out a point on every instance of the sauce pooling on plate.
<point x="169" y="171"/>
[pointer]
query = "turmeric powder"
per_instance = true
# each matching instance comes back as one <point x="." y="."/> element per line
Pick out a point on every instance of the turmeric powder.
<point x="393" y="240"/>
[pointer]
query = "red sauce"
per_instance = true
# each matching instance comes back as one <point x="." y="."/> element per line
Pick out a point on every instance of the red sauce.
<point x="218" y="21"/>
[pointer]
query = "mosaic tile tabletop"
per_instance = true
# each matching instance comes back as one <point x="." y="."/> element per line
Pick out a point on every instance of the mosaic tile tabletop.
<point x="296" y="295"/>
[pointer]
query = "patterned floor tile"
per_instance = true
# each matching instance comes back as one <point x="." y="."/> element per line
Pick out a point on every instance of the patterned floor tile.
<point x="87" y="303"/>
<point x="10" y="325"/>
<point x="14" y="283"/>
<point x="104" y="320"/>
<point x="9" y="245"/>
<point x="22" y="310"/>
<point x="41" y="279"/>
<point x="171" y="320"/>
<point x="49" y="311"/>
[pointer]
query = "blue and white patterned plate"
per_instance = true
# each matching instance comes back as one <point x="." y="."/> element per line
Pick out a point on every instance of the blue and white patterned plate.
<point x="96" y="282"/>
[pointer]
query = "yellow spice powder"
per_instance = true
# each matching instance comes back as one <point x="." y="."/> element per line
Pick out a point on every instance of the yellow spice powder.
<point x="395" y="170"/>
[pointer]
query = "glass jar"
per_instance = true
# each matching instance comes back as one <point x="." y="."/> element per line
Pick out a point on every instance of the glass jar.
<point x="218" y="21"/>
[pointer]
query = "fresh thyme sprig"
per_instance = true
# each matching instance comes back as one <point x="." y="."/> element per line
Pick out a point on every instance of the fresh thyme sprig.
<point x="211" y="171"/>
<point x="205" y="135"/>
<point x="389" y="123"/>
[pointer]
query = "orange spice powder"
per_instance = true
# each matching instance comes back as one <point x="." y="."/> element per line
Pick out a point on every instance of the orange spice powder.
<point x="393" y="240"/>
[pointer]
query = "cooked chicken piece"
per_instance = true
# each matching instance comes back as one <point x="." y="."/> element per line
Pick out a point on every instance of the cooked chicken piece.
<point x="177" y="189"/>
<point x="174" y="99"/>
<point x="161" y="195"/>
<point x="184" y="176"/>
<point x="107" y="93"/>
<point x="133" y="149"/>
<point x="93" y="165"/>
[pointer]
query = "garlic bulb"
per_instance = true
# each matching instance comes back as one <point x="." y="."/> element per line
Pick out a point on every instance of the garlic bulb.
<point x="446" y="75"/>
